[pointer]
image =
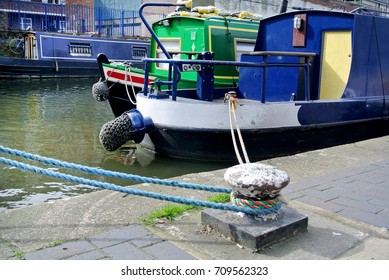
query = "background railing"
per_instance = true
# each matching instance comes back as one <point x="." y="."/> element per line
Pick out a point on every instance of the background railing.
<point x="20" y="15"/>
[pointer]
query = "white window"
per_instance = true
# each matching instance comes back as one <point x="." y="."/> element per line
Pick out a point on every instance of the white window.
<point x="243" y="46"/>
<point x="171" y="45"/>
<point x="80" y="49"/>
<point x="25" y="23"/>
<point x="138" y="52"/>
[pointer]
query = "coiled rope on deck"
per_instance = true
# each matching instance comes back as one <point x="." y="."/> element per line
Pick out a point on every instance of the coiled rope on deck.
<point x="132" y="191"/>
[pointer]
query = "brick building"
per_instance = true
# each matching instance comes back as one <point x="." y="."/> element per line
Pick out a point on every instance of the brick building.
<point x="47" y="15"/>
<point x="270" y="7"/>
<point x="88" y="3"/>
<point x="120" y="17"/>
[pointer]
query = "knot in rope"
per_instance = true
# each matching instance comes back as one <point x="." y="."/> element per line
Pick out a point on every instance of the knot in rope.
<point x="230" y="97"/>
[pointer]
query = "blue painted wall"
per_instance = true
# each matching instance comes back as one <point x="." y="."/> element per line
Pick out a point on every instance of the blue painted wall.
<point x="276" y="34"/>
<point x="369" y="68"/>
<point x="368" y="83"/>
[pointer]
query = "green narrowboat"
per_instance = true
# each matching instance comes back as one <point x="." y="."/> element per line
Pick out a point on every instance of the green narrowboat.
<point x="181" y="35"/>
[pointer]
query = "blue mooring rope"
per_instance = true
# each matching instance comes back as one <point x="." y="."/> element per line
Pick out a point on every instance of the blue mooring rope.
<point x="102" y="172"/>
<point x="109" y="186"/>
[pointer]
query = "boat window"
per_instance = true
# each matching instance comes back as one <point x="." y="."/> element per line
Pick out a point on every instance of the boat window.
<point x="243" y="46"/>
<point x="171" y="45"/>
<point x="26" y="23"/>
<point x="138" y="53"/>
<point x="80" y="49"/>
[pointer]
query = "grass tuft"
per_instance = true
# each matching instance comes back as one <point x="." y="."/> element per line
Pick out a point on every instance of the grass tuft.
<point x="19" y="254"/>
<point x="169" y="212"/>
<point x="220" y="198"/>
<point x="172" y="211"/>
<point x="54" y="243"/>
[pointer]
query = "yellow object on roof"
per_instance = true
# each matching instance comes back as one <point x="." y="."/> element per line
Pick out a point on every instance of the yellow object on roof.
<point x="188" y="3"/>
<point x="210" y="11"/>
<point x="204" y="9"/>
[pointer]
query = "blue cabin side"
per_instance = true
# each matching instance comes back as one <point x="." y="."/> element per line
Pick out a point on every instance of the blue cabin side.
<point x="85" y="48"/>
<point x="318" y="55"/>
<point x="369" y="75"/>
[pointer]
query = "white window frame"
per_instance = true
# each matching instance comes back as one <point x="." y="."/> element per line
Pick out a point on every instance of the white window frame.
<point x="171" y="45"/>
<point x="243" y="46"/>
<point x="25" y="23"/>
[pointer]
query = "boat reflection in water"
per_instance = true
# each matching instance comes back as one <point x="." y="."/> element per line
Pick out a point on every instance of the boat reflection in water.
<point x="138" y="160"/>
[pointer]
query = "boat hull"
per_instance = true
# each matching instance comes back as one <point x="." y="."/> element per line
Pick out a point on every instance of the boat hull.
<point x="21" y="68"/>
<point x="217" y="145"/>
<point x="202" y="130"/>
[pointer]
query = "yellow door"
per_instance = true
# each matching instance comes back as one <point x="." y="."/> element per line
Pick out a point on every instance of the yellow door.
<point x="335" y="64"/>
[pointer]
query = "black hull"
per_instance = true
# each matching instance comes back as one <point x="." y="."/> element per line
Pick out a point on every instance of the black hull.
<point x="260" y="144"/>
<point x="13" y="68"/>
<point x="118" y="98"/>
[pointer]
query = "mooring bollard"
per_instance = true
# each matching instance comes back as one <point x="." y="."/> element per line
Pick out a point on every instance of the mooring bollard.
<point x="256" y="180"/>
<point x="257" y="186"/>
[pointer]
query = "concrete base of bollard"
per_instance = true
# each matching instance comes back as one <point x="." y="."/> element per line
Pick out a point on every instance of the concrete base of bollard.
<point x="256" y="233"/>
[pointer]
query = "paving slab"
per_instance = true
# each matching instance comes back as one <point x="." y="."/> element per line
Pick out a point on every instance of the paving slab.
<point x="59" y="252"/>
<point x="168" y="251"/>
<point x="121" y="235"/>
<point x="126" y="251"/>
<point x="92" y="255"/>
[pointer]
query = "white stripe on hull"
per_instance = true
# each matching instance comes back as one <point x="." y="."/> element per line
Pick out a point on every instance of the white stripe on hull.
<point x="188" y="113"/>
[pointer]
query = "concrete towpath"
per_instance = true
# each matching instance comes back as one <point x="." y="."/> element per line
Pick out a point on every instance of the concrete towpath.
<point x="343" y="190"/>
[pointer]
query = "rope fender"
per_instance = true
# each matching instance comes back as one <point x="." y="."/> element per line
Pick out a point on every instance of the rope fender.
<point x="109" y="186"/>
<point x="100" y="90"/>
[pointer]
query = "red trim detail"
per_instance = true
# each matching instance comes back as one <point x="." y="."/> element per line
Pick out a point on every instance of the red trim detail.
<point x="120" y="76"/>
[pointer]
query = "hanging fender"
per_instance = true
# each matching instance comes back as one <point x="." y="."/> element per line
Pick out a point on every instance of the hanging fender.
<point x="131" y="125"/>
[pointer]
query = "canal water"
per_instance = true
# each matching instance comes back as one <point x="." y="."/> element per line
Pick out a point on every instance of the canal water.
<point x="60" y="119"/>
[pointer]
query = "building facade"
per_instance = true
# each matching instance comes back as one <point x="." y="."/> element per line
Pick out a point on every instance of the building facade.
<point x="266" y="8"/>
<point x="120" y="18"/>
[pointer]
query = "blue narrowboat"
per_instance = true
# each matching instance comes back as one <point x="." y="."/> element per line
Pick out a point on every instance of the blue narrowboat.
<point x="315" y="79"/>
<point x="59" y="55"/>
